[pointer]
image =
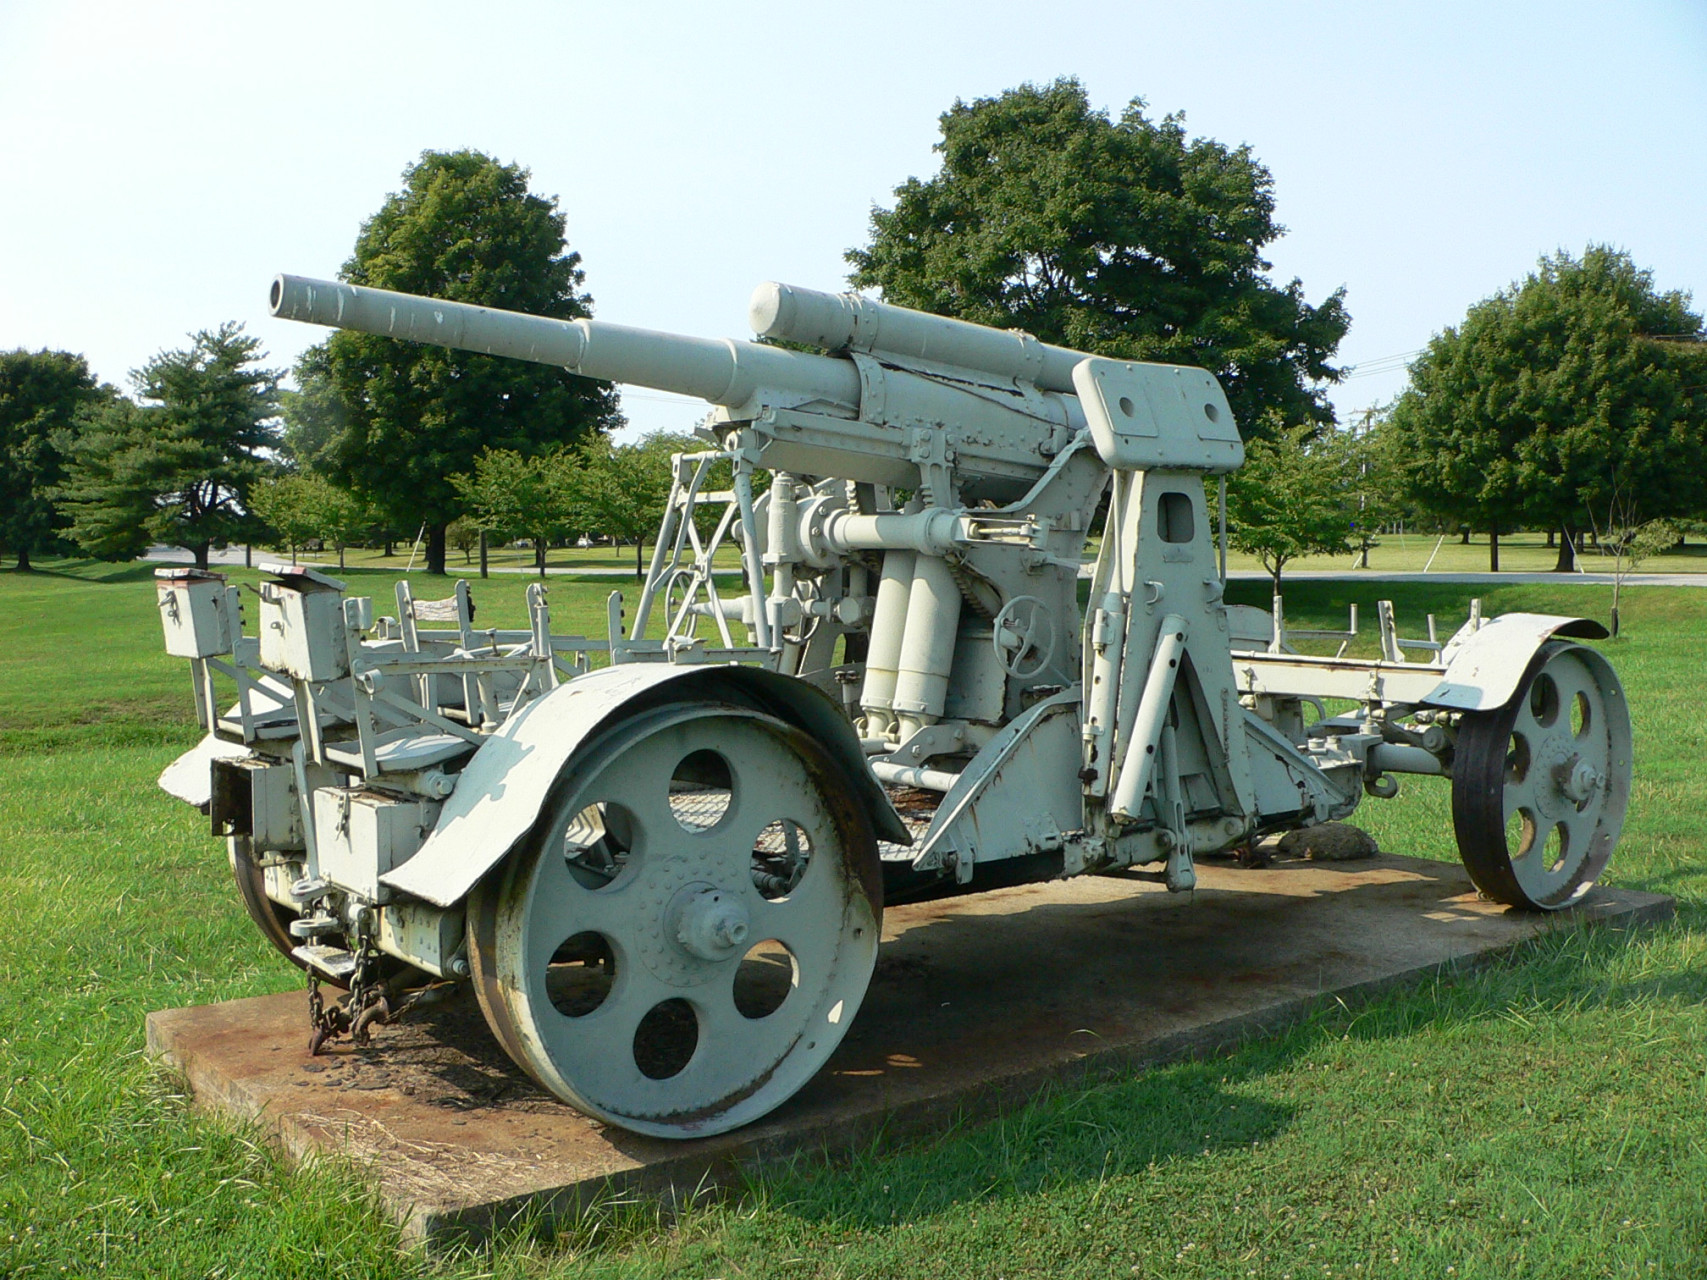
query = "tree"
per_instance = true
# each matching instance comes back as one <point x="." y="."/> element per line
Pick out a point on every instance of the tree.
<point x="463" y="534"/>
<point x="1579" y="381"/>
<point x="1293" y="497"/>
<point x="1117" y="237"/>
<point x="409" y="416"/>
<point x="300" y="505"/>
<point x="620" y="490"/>
<point x="346" y="518"/>
<point x="178" y="468"/>
<point x="1380" y="496"/>
<point x="41" y="396"/>
<point x="288" y="504"/>
<point x="518" y="497"/>
<point x="313" y="413"/>
<point x="108" y="498"/>
<point x="1629" y="545"/>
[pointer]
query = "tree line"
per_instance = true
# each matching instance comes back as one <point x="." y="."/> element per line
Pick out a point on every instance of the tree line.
<point x="378" y="442"/>
<point x="1574" y="400"/>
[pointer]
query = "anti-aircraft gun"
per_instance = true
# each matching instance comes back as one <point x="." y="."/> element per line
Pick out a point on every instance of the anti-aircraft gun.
<point x="660" y="858"/>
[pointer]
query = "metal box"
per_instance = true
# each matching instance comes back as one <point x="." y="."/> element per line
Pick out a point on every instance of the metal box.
<point x="362" y="835"/>
<point x="193" y="612"/>
<point x="427" y="937"/>
<point x="256" y="798"/>
<point x="302" y="624"/>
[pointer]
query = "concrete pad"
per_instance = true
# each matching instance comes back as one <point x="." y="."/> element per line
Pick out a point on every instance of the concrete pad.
<point x="977" y="1003"/>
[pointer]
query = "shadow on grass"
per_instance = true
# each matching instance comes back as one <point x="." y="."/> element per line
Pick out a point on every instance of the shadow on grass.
<point x="1186" y="1111"/>
<point x="1194" y="1110"/>
<point x="92" y="571"/>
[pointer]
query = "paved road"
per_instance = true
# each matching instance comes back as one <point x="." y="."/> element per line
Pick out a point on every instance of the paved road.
<point x="234" y="556"/>
<point x="1488" y="579"/>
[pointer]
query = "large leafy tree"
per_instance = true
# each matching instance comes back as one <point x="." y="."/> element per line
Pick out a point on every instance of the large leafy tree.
<point x="179" y="467"/>
<point x="1121" y="237"/>
<point x="1575" y="397"/>
<point x="409" y="417"/>
<point x="42" y="394"/>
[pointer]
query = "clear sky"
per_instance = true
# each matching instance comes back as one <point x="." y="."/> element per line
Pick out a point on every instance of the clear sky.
<point x="160" y="162"/>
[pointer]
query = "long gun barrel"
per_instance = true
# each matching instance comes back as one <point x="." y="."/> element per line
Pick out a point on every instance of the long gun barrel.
<point x="848" y="322"/>
<point x="1008" y="400"/>
<point x="721" y="371"/>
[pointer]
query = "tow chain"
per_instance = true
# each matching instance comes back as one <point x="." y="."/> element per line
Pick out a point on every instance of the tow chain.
<point x="366" y="1005"/>
<point x="356" y="1014"/>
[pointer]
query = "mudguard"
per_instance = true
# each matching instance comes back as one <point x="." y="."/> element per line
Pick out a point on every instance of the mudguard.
<point x="503" y="787"/>
<point x="190" y="777"/>
<point x="1485" y="667"/>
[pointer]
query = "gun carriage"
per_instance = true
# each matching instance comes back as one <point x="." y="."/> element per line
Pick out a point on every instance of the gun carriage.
<point x="660" y="857"/>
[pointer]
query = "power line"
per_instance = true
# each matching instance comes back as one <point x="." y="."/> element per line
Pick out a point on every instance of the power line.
<point x="1380" y="364"/>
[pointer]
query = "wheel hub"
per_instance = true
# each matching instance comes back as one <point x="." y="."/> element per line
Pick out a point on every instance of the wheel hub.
<point x="1574" y="782"/>
<point x="707" y="922"/>
<point x="1580" y="783"/>
<point x="1552" y="793"/>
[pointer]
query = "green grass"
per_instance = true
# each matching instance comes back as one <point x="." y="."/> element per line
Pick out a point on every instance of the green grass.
<point x="602" y="560"/>
<point x="1519" y="553"/>
<point x="1543" y="1117"/>
<point x="1395" y="553"/>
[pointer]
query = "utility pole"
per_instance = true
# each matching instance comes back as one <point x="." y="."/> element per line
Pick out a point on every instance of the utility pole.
<point x="1363" y="537"/>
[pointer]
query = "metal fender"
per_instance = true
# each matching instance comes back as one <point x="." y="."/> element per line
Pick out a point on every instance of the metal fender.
<point x="505" y="784"/>
<point x="1485" y="667"/>
<point x="190" y="777"/>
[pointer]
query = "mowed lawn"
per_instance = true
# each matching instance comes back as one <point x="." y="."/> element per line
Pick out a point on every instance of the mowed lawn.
<point x="1546" y="1116"/>
<point x="1392" y="553"/>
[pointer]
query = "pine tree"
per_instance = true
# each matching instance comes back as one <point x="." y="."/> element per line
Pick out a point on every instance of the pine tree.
<point x="177" y="468"/>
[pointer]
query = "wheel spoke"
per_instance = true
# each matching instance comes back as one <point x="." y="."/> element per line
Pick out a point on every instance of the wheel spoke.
<point x="1577" y="681"/>
<point x="1531" y="869"/>
<point x="762" y="1040"/>
<point x="808" y="921"/>
<point x="595" y="1053"/>
<point x="1522" y="795"/>
<point x="560" y="906"/>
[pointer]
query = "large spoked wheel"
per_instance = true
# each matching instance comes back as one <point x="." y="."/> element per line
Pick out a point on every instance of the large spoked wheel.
<point x="690" y="928"/>
<point x="1540" y="786"/>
